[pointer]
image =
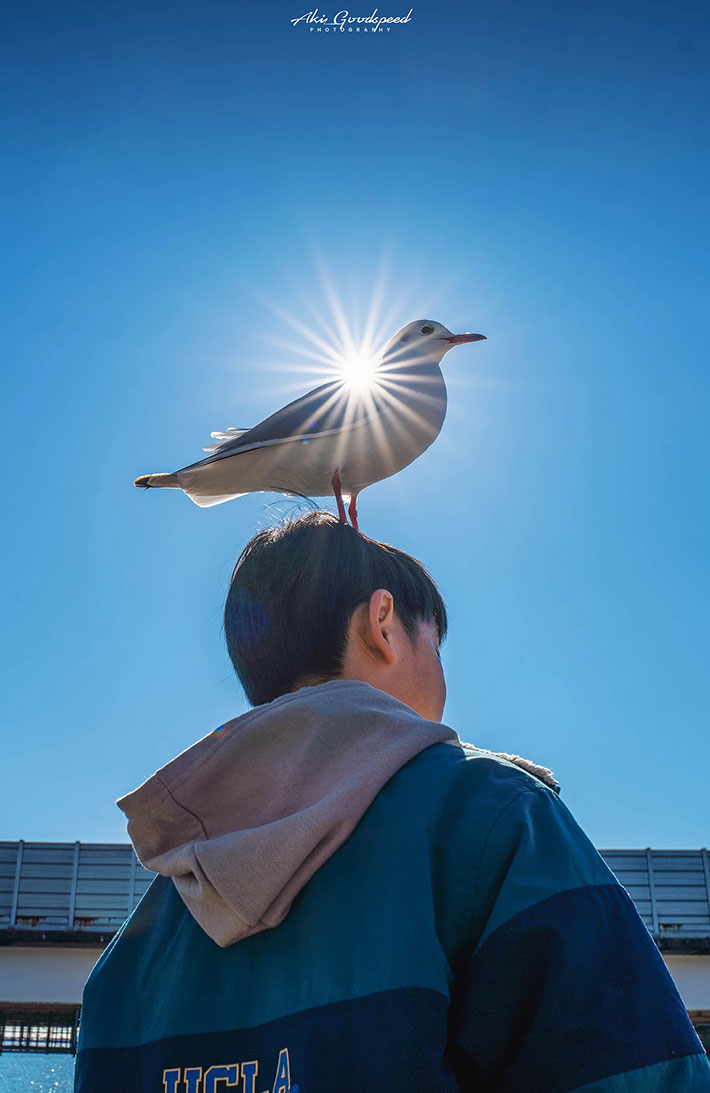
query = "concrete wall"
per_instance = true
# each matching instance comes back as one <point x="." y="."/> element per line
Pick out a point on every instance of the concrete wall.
<point x="37" y="974"/>
<point x="692" y="978"/>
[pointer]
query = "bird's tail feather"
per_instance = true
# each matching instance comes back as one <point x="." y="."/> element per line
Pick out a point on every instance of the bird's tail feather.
<point x="157" y="481"/>
<point x="208" y="500"/>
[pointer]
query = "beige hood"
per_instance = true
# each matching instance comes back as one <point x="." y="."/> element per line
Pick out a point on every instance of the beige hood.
<point x="243" y="818"/>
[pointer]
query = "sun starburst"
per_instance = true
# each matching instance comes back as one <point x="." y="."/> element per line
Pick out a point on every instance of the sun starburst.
<point x="340" y="334"/>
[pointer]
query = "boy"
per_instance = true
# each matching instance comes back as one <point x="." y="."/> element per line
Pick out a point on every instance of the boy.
<point x="348" y="897"/>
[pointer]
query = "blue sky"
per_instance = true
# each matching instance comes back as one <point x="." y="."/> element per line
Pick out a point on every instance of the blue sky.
<point x="180" y="182"/>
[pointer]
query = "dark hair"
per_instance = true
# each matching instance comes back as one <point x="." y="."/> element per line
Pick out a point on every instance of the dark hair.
<point x="292" y="595"/>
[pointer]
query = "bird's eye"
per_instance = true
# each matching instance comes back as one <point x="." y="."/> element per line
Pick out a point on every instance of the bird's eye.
<point x="427" y="330"/>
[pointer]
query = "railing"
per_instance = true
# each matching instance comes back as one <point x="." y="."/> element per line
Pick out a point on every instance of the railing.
<point x="69" y="886"/>
<point x="93" y="887"/>
<point x="671" y="889"/>
<point x="39" y="1029"/>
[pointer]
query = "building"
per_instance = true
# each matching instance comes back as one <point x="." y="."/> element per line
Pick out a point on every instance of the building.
<point x="61" y="903"/>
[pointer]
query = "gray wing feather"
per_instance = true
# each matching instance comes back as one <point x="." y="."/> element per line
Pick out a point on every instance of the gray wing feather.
<point x="330" y="407"/>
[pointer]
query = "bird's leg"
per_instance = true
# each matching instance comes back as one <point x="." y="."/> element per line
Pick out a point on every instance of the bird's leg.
<point x="352" y="511"/>
<point x="338" y="491"/>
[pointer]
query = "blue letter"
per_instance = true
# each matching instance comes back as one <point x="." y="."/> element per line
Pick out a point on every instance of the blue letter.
<point x="170" y="1080"/>
<point x="193" y="1077"/>
<point x="249" y="1072"/>
<point x="228" y="1074"/>
<point x="282" y="1081"/>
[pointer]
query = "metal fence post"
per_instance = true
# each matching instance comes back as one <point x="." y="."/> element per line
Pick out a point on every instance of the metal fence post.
<point x="16" y="888"/>
<point x="132" y="882"/>
<point x="652" y="893"/>
<point x="72" y="893"/>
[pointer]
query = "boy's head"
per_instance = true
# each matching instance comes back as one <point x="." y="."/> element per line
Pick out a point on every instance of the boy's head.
<point x="313" y="600"/>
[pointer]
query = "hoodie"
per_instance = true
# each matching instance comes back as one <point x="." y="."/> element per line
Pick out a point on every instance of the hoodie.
<point x="349" y="898"/>
<point x="244" y="818"/>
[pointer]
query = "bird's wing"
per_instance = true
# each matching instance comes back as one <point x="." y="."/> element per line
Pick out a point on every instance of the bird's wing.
<point x="330" y="408"/>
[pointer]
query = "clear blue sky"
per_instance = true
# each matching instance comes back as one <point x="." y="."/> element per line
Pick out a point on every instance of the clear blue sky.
<point x="177" y="177"/>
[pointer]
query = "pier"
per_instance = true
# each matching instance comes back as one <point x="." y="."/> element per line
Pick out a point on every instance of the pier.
<point x="61" y="903"/>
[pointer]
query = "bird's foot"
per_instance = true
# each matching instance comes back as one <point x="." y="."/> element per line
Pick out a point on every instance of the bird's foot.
<point x="338" y="491"/>
<point x="352" y="511"/>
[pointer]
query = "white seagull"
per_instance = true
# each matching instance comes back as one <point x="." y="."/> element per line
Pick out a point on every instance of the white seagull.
<point x="336" y="438"/>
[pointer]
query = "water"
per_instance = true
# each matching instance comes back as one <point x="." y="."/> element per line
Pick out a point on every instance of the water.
<point x="36" y="1073"/>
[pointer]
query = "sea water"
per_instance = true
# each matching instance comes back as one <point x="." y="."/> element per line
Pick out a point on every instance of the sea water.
<point x="21" y="1073"/>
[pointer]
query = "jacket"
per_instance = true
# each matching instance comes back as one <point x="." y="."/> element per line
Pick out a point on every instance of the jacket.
<point x="351" y="899"/>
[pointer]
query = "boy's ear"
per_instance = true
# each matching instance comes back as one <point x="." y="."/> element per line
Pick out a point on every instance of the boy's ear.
<point x="379" y="628"/>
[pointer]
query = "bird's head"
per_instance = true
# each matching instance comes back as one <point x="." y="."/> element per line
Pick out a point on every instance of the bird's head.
<point x="425" y="339"/>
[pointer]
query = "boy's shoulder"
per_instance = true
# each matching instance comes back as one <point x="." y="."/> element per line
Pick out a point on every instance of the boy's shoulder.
<point x="455" y="758"/>
<point x="497" y="828"/>
<point x="456" y="775"/>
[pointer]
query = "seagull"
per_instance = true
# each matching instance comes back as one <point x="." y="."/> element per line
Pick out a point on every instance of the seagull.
<point x="336" y="439"/>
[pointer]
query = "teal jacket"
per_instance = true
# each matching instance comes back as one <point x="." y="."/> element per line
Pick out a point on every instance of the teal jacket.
<point x="465" y="936"/>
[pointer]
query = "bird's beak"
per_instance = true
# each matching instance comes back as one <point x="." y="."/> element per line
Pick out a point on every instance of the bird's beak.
<point x="459" y="339"/>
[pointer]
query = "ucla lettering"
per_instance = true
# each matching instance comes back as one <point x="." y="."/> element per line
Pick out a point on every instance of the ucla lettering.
<point x="221" y="1077"/>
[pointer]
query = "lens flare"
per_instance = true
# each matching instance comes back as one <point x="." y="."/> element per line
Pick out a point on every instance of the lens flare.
<point x="336" y="337"/>
<point x="358" y="369"/>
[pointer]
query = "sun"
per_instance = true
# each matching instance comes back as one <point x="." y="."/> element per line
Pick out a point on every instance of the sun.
<point x="341" y="339"/>
<point x="358" y="369"/>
